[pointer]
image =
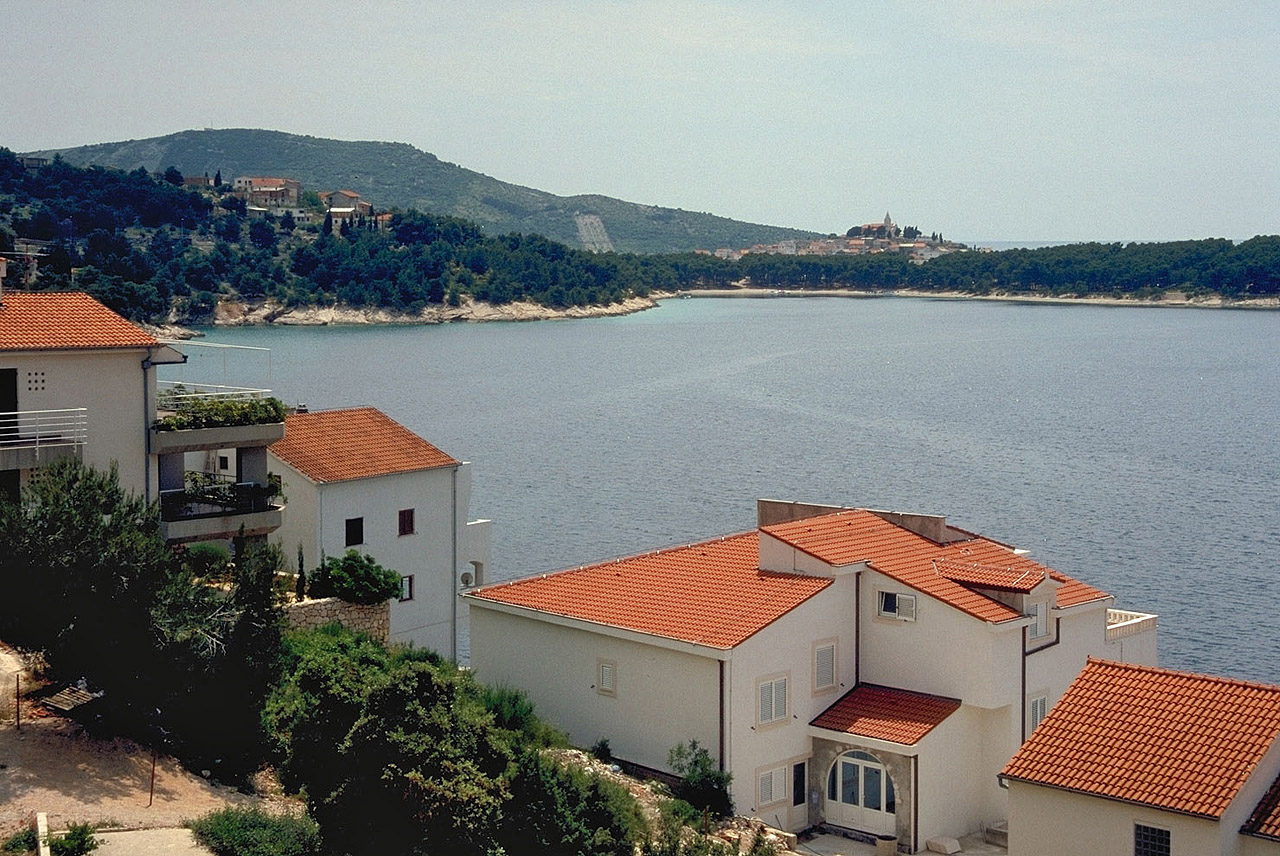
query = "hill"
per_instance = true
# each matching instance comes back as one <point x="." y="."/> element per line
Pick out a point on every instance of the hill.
<point x="399" y="175"/>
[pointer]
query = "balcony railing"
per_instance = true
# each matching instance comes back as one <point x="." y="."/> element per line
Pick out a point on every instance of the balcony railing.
<point x="217" y="500"/>
<point x="1122" y="623"/>
<point x="174" y="393"/>
<point x="37" y="429"/>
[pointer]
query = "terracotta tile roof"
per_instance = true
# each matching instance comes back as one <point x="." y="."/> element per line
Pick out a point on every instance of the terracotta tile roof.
<point x="361" y="442"/>
<point x="857" y="535"/>
<point x="1265" y="820"/>
<point x="1021" y="580"/>
<point x="72" y="320"/>
<point x="712" y="593"/>
<point x="884" y="713"/>
<point x="1173" y="740"/>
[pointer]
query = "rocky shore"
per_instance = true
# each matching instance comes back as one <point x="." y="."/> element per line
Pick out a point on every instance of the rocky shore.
<point x="1168" y="299"/>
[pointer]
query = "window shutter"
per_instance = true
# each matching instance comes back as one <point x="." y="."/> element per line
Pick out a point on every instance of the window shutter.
<point x="766" y="788"/>
<point x="825" y="667"/>
<point x="766" y="702"/>
<point x="606" y="677"/>
<point x="907" y="607"/>
<point x="780" y="698"/>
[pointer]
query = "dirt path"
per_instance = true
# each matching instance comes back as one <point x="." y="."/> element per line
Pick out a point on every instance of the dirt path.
<point x="50" y="765"/>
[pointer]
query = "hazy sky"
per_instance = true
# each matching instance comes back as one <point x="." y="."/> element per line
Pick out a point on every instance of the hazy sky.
<point x="981" y="119"/>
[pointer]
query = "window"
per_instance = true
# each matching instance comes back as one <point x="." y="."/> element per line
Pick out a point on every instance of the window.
<point x="773" y="700"/>
<point x="799" y="783"/>
<point x="894" y="605"/>
<point x="224" y="462"/>
<point x="824" y="666"/>
<point x="355" y="531"/>
<point x="1150" y="841"/>
<point x="607" y="677"/>
<point x="1040" y="624"/>
<point x="406" y="588"/>
<point x="1039" y="707"/>
<point x="406" y="521"/>
<point x="773" y="786"/>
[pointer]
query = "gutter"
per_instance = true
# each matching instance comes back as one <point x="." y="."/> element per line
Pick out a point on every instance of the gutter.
<point x="453" y="574"/>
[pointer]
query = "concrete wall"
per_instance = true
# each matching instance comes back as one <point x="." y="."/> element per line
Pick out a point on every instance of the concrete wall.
<point x="662" y="697"/>
<point x="373" y="620"/>
<point x="786" y="647"/>
<point x="110" y="384"/>
<point x="1050" y="822"/>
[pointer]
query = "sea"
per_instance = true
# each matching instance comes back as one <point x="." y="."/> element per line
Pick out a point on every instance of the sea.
<point x="1137" y="449"/>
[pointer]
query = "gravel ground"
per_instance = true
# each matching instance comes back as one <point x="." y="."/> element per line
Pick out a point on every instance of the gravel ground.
<point x="50" y="765"/>
<point x="149" y="842"/>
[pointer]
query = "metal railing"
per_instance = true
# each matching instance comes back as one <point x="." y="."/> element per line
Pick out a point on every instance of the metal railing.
<point x="217" y="500"/>
<point x="37" y="429"/>
<point x="1123" y="622"/>
<point x="170" y="393"/>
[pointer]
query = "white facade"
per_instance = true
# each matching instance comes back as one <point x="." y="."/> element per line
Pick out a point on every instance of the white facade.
<point x="996" y="675"/>
<point x="435" y="553"/>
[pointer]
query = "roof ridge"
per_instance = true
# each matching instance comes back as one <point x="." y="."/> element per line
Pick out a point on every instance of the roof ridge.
<point x="1202" y="676"/>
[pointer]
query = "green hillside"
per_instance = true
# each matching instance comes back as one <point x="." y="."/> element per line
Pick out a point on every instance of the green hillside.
<point x="398" y="175"/>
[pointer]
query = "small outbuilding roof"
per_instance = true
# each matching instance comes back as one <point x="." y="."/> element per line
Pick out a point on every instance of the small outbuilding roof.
<point x="885" y="713"/>
<point x="1173" y="740"/>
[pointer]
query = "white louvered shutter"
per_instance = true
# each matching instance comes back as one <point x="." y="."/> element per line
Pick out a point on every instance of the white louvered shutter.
<point x="825" y="667"/>
<point x="766" y="702"/>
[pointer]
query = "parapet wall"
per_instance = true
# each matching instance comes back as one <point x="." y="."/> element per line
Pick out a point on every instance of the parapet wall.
<point x="375" y="621"/>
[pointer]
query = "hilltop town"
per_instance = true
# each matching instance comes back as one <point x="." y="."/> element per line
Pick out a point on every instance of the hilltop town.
<point x="866" y="239"/>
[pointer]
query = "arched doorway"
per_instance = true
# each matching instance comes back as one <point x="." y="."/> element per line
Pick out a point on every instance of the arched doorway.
<point x="860" y="794"/>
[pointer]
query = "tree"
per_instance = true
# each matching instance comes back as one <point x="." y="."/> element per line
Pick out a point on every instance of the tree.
<point x="287" y="223"/>
<point x="327" y="228"/>
<point x="174" y="176"/>
<point x="355" y="578"/>
<point x="217" y="178"/>
<point x="262" y="235"/>
<point x="702" y="784"/>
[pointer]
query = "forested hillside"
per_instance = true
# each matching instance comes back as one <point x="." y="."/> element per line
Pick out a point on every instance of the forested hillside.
<point x="397" y="175"/>
<point x="153" y="251"/>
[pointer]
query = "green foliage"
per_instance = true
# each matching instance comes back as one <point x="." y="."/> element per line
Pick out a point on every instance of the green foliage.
<point x="24" y="841"/>
<point x="564" y="811"/>
<point x="250" y="831"/>
<point x="701" y="784"/>
<point x="77" y="841"/>
<point x="675" y="840"/>
<point x="600" y="750"/>
<point x="354" y="578"/>
<point x="206" y="559"/>
<point x="513" y="710"/>
<point x="201" y="412"/>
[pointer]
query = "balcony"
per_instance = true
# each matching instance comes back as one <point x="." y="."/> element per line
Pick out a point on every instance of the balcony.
<point x="208" y="417"/>
<point x="1131" y="636"/>
<point x="30" y="438"/>
<point x="210" y="508"/>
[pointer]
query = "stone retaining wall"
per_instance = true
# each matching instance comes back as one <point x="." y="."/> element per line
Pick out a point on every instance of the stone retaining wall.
<point x="374" y="621"/>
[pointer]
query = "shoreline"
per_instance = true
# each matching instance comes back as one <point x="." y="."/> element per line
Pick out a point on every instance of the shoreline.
<point x="1171" y="300"/>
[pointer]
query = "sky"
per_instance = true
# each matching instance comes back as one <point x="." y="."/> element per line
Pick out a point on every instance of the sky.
<point x="1017" y="120"/>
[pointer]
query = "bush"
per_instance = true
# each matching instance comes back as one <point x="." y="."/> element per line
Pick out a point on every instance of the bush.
<point x="250" y="831"/>
<point x="514" y="711"/>
<point x="78" y="841"/>
<point x="25" y="841"/>
<point x="701" y="784"/>
<point x="217" y="412"/>
<point x="207" y="559"/>
<point x="355" y="579"/>
<point x="600" y="750"/>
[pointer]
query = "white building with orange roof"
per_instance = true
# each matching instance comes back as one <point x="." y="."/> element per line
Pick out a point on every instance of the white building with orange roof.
<point x="358" y="480"/>
<point x="1151" y="762"/>
<point x="867" y="669"/>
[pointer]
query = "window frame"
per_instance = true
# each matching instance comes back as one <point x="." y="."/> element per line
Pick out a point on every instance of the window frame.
<point x="607" y="668"/>
<point x="899" y="599"/>
<point x="406" y="515"/>
<point x="1153" y="845"/>
<point x="406" y="578"/>
<point x="1039" y="627"/>
<point x="351" y="524"/>
<point x="773" y="682"/>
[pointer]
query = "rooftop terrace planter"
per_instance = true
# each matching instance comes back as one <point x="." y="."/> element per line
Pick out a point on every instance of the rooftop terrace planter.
<point x="164" y="442"/>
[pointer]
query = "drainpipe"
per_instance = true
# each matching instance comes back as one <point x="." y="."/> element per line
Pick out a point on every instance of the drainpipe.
<point x="453" y="574"/>
<point x="722" y="706"/>
<point x="146" y="428"/>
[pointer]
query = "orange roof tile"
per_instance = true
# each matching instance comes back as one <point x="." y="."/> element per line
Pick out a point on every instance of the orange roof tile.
<point x="1265" y="820"/>
<point x="361" y="442"/>
<point x="1021" y="580"/>
<point x="884" y="713"/>
<point x="712" y="593"/>
<point x="1173" y="740"/>
<point x="857" y="535"/>
<point x="57" y="321"/>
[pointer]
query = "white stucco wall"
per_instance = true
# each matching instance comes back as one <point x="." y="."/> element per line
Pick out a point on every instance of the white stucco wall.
<point x="663" y="697"/>
<point x="1051" y="822"/>
<point x="316" y="516"/>
<point x="110" y="384"/>
<point x="956" y="781"/>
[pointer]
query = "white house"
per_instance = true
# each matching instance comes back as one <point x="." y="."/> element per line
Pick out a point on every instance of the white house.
<point x="78" y="380"/>
<point x="357" y="479"/>
<point x="1150" y="762"/>
<point x="867" y="669"/>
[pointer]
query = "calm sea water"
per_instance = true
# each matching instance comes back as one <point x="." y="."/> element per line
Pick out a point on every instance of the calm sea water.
<point x="1137" y="449"/>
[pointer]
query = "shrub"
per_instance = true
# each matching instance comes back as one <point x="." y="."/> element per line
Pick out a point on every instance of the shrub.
<point x="207" y="559"/>
<point x="514" y="711"/>
<point x="217" y="412"/>
<point x="355" y="579"/>
<point x="600" y="750"/>
<point x="250" y="831"/>
<point x="78" y="841"/>
<point x="24" y="841"/>
<point x="701" y="784"/>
